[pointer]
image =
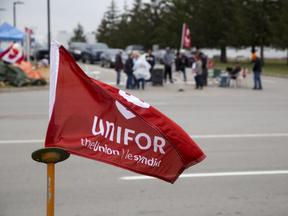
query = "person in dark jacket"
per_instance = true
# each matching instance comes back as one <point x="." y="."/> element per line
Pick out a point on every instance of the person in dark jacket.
<point x="182" y="63"/>
<point x="128" y="69"/>
<point x="257" y="68"/>
<point x="151" y="60"/>
<point x="118" y="66"/>
<point x="167" y="59"/>
<point x="230" y="74"/>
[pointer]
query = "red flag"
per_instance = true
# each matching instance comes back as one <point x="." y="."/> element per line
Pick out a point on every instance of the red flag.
<point x="29" y="31"/>
<point x="186" y="37"/>
<point x="97" y="121"/>
<point x="12" y="54"/>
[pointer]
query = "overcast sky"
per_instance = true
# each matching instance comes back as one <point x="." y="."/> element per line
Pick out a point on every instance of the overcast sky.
<point x="64" y="14"/>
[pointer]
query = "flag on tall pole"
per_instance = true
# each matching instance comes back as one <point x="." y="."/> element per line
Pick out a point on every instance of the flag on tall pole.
<point x="186" y="37"/>
<point x="29" y="31"/>
<point x="97" y="121"/>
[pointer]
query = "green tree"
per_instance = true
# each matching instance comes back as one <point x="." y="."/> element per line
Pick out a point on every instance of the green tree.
<point x="172" y="14"/>
<point x="262" y="17"/>
<point x="123" y="28"/>
<point x="281" y="27"/>
<point x="214" y="25"/>
<point x="106" y="32"/>
<point x="78" y="34"/>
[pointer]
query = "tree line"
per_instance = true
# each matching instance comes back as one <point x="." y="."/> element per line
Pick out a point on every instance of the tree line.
<point x="213" y="24"/>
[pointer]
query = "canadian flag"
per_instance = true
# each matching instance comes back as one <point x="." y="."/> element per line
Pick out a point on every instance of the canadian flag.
<point x="12" y="54"/>
<point x="186" y="37"/>
<point x="97" y="121"/>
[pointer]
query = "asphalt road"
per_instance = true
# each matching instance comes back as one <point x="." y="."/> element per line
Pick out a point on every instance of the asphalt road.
<point x="244" y="134"/>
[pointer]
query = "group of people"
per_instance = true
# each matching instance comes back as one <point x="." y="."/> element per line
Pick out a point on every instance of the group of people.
<point x="233" y="73"/>
<point x="137" y="67"/>
<point x="181" y="63"/>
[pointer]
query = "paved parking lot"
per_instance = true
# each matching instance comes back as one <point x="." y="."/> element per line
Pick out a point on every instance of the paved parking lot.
<point x="244" y="134"/>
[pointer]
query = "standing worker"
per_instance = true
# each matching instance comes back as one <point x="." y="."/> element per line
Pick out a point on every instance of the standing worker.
<point x="182" y="63"/>
<point x="151" y="60"/>
<point x="118" y="66"/>
<point x="128" y="69"/>
<point x="198" y="72"/>
<point x="167" y="59"/>
<point x="257" y="67"/>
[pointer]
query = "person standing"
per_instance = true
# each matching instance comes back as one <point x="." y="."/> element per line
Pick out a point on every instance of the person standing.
<point x="182" y="63"/>
<point x="118" y="66"/>
<point x="257" y="68"/>
<point x="128" y="69"/>
<point x="167" y="59"/>
<point x="151" y="60"/>
<point x="198" y="72"/>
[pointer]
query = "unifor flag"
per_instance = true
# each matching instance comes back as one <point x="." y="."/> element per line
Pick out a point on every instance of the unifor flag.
<point x="95" y="120"/>
<point x="186" y="37"/>
<point x="13" y="54"/>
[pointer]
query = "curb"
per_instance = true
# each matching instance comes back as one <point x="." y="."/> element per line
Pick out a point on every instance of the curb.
<point x="19" y="89"/>
<point x="276" y="75"/>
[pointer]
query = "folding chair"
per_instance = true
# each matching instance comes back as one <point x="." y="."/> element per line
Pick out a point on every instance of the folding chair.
<point x="242" y="76"/>
<point x="215" y="75"/>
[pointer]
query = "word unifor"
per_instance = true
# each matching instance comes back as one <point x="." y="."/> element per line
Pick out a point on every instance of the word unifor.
<point x="125" y="135"/>
<point x="96" y="146"/>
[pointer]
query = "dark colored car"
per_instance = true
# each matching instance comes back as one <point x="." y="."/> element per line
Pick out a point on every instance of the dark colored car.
<point x="159" y="56"/>
<point x="191" y="57"/>
<point x="134" y="48"/>
<point x="76" y="48"/>
<point x="93" y="51"/>
<point x="39" y="51"/>
<point x="108" y="57"/>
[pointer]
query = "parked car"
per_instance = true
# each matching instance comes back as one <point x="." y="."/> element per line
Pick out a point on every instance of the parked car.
<point x="134" y="48"/>
<point x="108" y="56"/>
<point x="191" y="55"/>
<point x="159" y="56"/>
<point x="92" y="52"/>
<point x="76" y="48"/>
<point x="39" y="51"/>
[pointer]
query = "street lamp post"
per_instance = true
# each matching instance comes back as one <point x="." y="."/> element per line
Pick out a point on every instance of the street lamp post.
<point x="14" y="11"/>
<point x="1" y="9"/>
<point x="48" y="13"/>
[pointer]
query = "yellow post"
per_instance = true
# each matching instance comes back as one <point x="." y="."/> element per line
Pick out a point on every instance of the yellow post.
<point x="50" y="156"/>
<point x="50" y="189"/>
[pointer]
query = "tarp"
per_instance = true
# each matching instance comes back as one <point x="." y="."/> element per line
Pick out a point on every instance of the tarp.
<point x="17" y="77"/>
<point x="27" y="68"/>
<point x="9" y="33"/>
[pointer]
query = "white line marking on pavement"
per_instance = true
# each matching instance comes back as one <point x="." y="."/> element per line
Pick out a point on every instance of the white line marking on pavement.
<point x="239" y="135"/>
<point x="219" y="174"/>
<point x="21" y="141"/>
<point x="192" y="136"/>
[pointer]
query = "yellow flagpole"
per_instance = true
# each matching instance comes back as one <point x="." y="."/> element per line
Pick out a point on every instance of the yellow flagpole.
<point x="50" y="156"/>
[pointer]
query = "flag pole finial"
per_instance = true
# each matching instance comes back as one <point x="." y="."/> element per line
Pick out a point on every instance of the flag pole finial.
<point x="50" y="156"/>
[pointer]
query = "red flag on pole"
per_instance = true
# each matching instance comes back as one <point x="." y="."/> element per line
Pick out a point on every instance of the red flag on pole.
<point x="29" y="31"/>
<point x="97" y="121"/>
<point x="186" y="37"/>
